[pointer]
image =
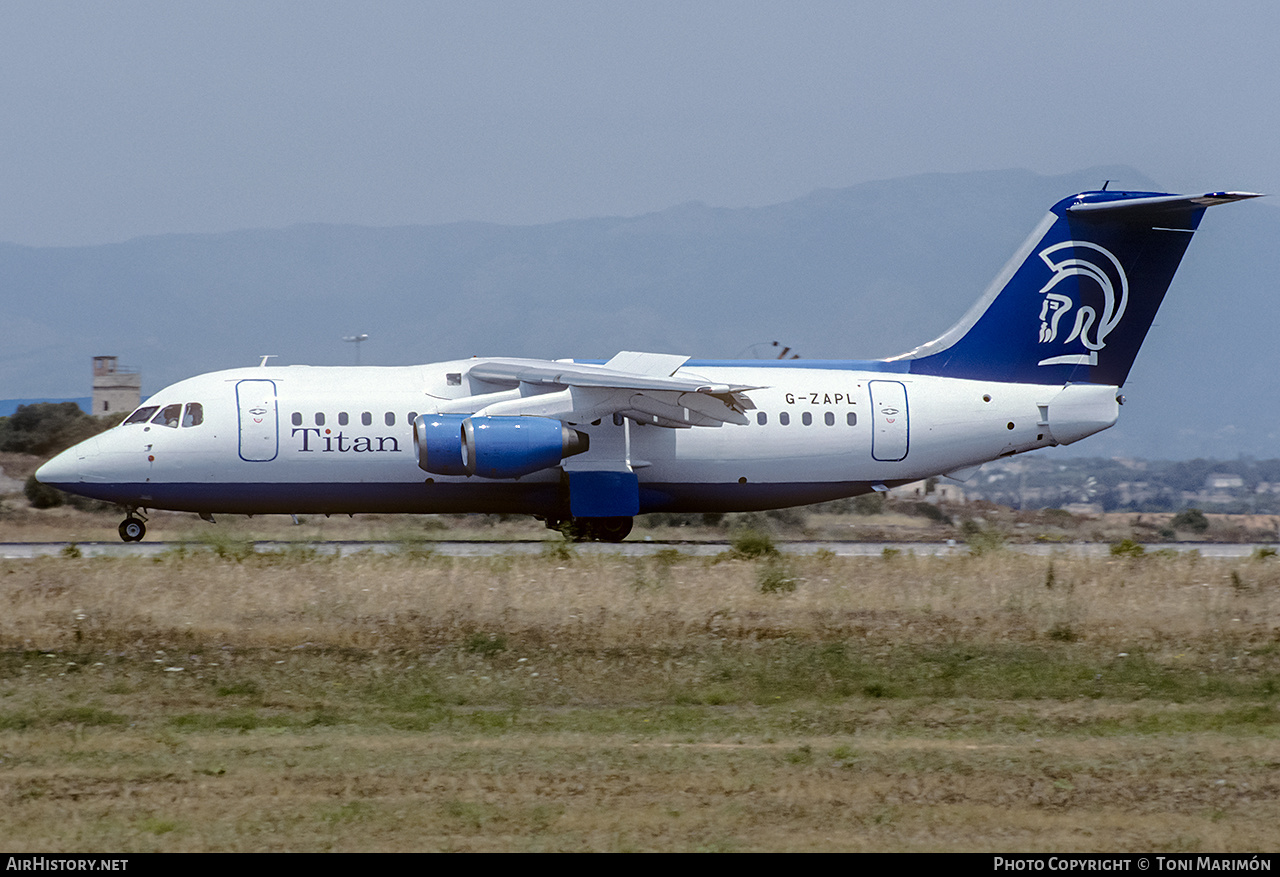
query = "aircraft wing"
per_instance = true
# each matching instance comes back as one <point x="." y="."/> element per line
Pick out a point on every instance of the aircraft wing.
<point x="641" y="386"/>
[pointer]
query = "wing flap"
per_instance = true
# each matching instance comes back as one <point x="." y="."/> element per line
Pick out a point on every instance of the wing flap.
<point x="642" y="386"/>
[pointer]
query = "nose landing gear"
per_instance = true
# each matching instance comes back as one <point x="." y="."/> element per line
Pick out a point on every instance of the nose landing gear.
<point x="132" y="529"/>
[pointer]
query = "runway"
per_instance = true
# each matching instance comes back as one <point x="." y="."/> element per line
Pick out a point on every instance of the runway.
<point x="638" y="548"/>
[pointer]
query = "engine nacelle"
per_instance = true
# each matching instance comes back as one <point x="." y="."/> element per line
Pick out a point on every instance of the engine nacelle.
<point x="439" y="441"/>
<point x="511" y="446"/>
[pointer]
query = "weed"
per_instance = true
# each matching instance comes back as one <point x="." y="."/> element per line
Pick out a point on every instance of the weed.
<point x="241" y="688"/>
<point x="1063" y="633"/>
<point x="558" y="550"/>
<point x="668" y="557"/>
<point x="844" y="755"/>
<point x="982" y="540"/>
<point x="294" y="553"/>
<point x="352" y="811"/>
<point x="802" y="754"/>
<point x="415" y="549"/>
<point x="157" y="826"/>
<point x="1190" y="519"/>
<point x="471" y="814"/>
<point x="774" y="577"/>
<point x="1127" y="548"/>
<point x="752" y="544"/>
<point x="486" y="644"/>
<point x="227" y="545"/>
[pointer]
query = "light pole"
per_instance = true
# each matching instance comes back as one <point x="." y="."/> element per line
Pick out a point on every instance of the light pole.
<point x="357" y="339"/>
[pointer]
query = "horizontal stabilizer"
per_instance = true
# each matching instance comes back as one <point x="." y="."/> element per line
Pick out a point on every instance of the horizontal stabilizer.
<point x="1156" y="205"/>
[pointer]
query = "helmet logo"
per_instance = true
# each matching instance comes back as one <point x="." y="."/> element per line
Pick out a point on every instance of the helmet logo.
<point x="1089" y="328"/>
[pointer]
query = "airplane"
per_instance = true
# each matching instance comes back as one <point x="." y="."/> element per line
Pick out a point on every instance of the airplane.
<point x="586" y="446"/>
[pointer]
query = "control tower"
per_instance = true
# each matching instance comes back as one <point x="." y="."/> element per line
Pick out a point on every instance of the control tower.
<point x="116" y="390"/>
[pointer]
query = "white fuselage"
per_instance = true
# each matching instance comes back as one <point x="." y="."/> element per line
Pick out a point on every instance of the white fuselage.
<point x="310" y="439"/>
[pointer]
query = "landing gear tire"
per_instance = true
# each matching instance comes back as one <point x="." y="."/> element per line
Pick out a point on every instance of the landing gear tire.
<point x="597" y="529"/>
<point x="612" y="529"/>
<point x="132" y="530"/>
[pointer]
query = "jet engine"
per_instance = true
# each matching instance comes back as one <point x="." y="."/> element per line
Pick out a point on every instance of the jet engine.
<point x="439" y="441"/>
<point x="493" y="447"/>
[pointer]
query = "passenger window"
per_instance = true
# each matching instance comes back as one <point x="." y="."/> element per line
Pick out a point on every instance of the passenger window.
<point x="806" y="419"/>
<point x="169" y="416"/>
<point x="366" y="419"/>
<point x="762" y="418"/>
<point x="297" y="418"/>
<point x="453" y="379"/>
<point x="829" y="419"/>
<point x="142" y="415"/>
<point x="390" y="419"/>
<point x="851" y="418"/>
<point x="342" y="418"/>
<point x="784" y="418"/>
<point x="194" y="415"/>
<point x="413" y="415"/>
<point x="319" y="418"/>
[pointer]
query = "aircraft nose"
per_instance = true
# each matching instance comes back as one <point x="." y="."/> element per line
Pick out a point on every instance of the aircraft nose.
<point x="62" y="469"/>
<point x="66" y="467"/>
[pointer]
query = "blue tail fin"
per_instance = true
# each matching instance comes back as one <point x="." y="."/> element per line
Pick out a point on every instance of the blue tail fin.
<point x="1077" y="299"/>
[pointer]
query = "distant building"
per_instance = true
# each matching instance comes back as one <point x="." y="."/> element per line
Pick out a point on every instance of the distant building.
<point x="1223" y="481"/>
<point x="115" y="390"/>
<point x="1221" y="487"/>
<point x="1083" y="508"/>
<point x="923" y="491"/>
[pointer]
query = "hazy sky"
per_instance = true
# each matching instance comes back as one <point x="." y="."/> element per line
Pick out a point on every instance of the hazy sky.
<point x="126" y="118"/>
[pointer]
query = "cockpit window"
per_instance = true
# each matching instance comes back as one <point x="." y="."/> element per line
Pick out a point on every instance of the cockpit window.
<point x="169" y="416"/>
<point x="194" y="415"/>
<point x="142" y="415"/>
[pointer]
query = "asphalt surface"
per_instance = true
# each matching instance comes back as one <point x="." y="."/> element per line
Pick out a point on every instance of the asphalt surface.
<point x="630" y="548"/>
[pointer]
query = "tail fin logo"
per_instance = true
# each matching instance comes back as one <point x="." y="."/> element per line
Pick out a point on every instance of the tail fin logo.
<point x="1089" y="329"/>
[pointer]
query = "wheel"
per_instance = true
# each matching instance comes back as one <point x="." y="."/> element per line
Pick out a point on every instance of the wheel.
<point x="132" y="530"/>
<point x="612" y="529"/>
<point x="598" y="529"/>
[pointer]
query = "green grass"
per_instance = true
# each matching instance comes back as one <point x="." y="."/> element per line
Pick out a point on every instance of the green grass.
<point x="206" y="701"/>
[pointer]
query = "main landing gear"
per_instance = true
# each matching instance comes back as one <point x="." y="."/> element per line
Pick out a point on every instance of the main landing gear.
<point x="132" y="528"/>
<point x="592" y="529"/>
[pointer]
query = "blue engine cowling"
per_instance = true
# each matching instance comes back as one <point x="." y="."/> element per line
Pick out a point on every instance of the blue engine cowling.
<point x="493" y="447"/>
<point x="439" y="441"/>
<point x="508" y="447"/>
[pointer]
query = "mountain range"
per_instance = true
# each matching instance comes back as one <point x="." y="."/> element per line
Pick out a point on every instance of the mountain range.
<point x="860" y="272"/>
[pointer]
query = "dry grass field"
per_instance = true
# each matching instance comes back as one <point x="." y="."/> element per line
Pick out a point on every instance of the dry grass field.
<point x="216" y="699"/>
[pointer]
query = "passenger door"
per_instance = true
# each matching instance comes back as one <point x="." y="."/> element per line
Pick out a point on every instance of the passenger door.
<point x="259" y="429"/>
